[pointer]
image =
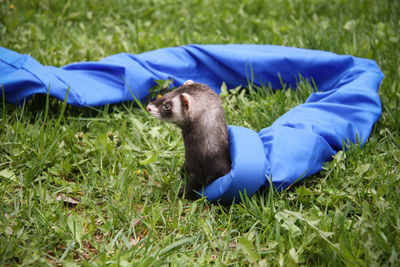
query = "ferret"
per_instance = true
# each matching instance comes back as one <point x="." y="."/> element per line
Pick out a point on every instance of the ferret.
<point x="198" y="111"/>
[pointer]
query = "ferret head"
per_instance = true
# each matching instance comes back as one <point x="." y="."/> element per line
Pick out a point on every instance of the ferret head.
<point x="174" y="106"/>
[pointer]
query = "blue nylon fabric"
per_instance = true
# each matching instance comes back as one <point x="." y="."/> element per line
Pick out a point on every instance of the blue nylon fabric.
<point x="295" y="146"/>
<point x="249" y="166"/>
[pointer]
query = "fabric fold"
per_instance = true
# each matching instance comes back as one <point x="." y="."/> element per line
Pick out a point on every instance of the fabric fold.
<point x="343" y="108"/>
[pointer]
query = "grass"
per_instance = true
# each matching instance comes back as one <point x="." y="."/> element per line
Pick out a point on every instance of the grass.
<point x="99" y="187"/>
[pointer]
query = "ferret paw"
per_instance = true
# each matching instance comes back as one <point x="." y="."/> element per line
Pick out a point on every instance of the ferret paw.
<point x="185" y="193"/>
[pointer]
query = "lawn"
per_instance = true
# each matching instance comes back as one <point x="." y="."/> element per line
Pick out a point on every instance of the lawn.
<point x="99" y="186"/>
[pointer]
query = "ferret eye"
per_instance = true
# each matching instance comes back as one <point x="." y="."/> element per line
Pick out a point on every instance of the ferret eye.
<point x="167" y="106"/>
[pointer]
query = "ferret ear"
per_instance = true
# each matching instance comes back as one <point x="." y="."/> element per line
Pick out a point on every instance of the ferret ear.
<point x="185" y="98"/>
<point x="188" y="82"/>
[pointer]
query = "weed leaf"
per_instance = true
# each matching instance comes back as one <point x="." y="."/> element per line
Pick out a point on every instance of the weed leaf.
<point x="248" y="248"/>
<point x="8" y="174"/>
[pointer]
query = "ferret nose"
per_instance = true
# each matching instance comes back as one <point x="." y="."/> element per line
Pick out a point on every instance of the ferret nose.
<point x="148" y="108"/>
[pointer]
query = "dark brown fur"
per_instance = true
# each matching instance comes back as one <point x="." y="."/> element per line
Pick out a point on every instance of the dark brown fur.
<point x="198" y="111"/>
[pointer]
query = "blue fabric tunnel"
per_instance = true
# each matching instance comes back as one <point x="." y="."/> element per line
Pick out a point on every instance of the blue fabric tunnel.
<point x="295" y="146"/>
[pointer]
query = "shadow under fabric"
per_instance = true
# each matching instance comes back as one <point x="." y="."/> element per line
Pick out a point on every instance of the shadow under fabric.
<point x="295" y="146"/>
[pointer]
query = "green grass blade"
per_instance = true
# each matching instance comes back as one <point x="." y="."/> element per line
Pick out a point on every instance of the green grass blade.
<point x="3" y="98"/>
<point x="174" y="246"/>
<point x="63" y="107"/>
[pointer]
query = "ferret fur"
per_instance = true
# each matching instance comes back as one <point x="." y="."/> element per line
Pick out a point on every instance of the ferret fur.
<point x="198" y="111"/>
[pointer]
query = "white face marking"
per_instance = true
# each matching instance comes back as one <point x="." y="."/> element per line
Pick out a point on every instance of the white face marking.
<point x="176" y="106"/>
<point x="153" y="110"/>
<point x="176" y="111"/>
